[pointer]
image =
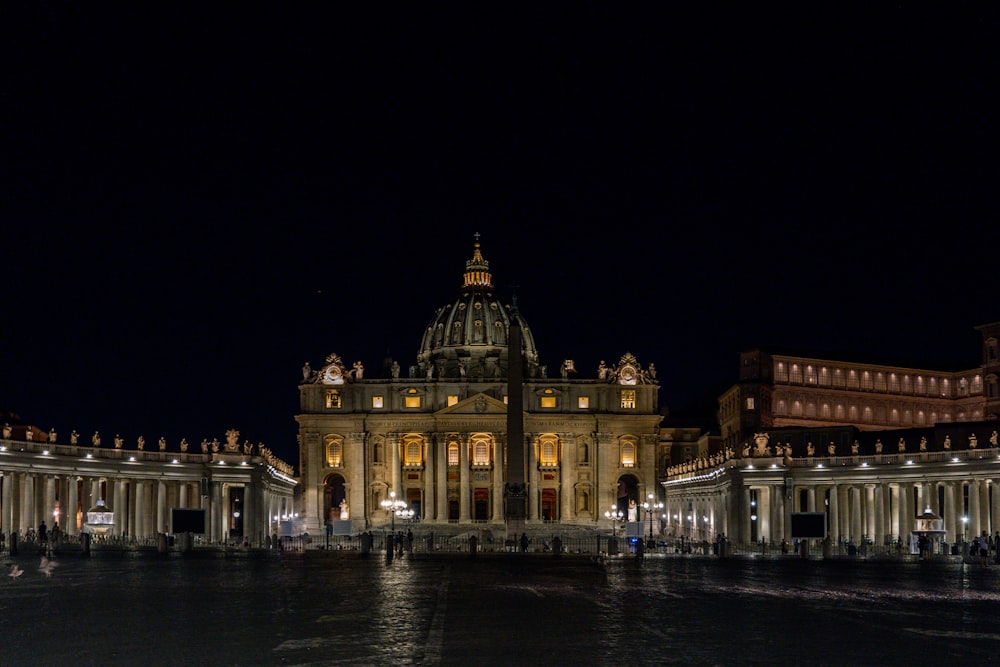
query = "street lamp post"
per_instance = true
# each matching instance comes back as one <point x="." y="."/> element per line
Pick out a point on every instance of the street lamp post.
<point x="615" y="515"/>
<point x="650" y="506"/>
<point x="394" y="507"/>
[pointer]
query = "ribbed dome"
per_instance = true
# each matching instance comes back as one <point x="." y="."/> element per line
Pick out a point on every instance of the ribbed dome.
<point x="473" y="331"/>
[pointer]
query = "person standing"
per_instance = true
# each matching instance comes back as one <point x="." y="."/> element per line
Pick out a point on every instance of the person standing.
<point x="43" y="533"/>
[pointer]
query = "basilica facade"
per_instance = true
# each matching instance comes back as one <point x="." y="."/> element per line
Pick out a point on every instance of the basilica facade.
<point x="433" y="436"/>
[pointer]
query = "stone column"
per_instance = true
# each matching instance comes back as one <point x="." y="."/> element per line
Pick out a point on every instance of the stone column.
<point x="974" y="522"/>
<point x="926" y="499"/>
<point x="893" y="509"/>
<point x="161" y="506"/>
<point x="950" y="516"/>
<point x="534" y="487"/>
<point x="497" y="514"/>
<point x="567" y="464"/>
<point x="856" y="529"/>
<point x="73" y="506"/>
<point x="428" y="506"/>
<point x="357" y="491"/>
<point x="906" y="506"/>
<point x="463" y="479"/>
<point x="746" y="534"/>
<point x="777" y="492"/>
<point x="7" y="504"/>
<point x="834" y="527"/>
<point x="811" y="495"/>
<point x="218" y="532"/>
<point x="869" y="507"/>
<point x="49" y="507"/>
<point x="182" y="494"/>
<point x="763" y="514"/>
<point x="28" y="503"/>
<point x="879" y="532"/>
<point x="121" y="514"/>
<point x="442" y="478"/>
<point x="392" y="442"/>
<point x="250" y="526"/>
<point x="139" y="523"/>
<point x="995" y="506"/>
<point x="984" y="507"/>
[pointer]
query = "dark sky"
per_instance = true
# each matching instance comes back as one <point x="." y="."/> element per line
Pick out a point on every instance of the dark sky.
<point x="194" y="202"/>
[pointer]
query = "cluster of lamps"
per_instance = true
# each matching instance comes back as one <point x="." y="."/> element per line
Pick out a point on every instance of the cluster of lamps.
<point x="396" y="508"/>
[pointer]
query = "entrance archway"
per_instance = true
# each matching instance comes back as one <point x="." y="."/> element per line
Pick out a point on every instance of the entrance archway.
<point x="334" y="493"/>
<point x="628" y="494"/>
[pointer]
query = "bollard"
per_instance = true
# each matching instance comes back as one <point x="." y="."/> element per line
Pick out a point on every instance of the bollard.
<point x="473" y="545"/>
<point x="556" y="546"/>
<point x="161" y="543"/>
<point x="85" y="543"/>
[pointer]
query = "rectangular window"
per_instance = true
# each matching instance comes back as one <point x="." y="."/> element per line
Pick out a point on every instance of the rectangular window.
<point x="548" y="401"/>
<point x="453" y="399"/>
<point x="583" y="402"/>
<point x="413" y="401"/>
<point x="628" y="399"/>
<point x="749" y="402"/>
<point x="378" y="402"/>
<point x="333" y="399"/>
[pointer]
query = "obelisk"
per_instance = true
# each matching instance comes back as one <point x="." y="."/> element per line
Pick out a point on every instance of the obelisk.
<point x="515" y="495"/>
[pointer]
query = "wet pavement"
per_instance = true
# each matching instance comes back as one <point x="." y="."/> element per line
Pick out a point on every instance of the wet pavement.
<point x="509" y="609"/>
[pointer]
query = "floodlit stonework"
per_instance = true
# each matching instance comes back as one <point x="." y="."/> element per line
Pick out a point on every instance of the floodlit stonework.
<point x="435" y="431"/>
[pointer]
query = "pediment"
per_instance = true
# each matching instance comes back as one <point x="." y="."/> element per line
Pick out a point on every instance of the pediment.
<point x="478" y="404"/>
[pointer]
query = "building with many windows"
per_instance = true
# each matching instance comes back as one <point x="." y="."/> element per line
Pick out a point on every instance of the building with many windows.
<point x="434" y="434"/>
<point x="776" y="390"/>
<point x="876" y="449"/>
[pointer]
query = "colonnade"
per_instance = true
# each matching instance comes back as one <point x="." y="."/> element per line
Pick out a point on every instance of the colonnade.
<point x="244" y="500"/>
<point x="749" y="508"/>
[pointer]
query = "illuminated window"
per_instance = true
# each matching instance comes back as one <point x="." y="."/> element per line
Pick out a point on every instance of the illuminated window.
<point x="453" y="453"/>
<point x="378" y="402"/>
<point x="334" y="454"/>
<point x="750" y="403"/>
<point x="628" y="399"/>
<point x="453" y="399"/>
<point x="412" y="401"/>
<point x="333" y="398"/>
<point x="505" y="399"/>
<point x="548" y="401"/>
<point x="548" y="453"/>
<point x="628" y="454"/>
<point x="413" y="453"/>
<point x="583" y="402"/>
<point x="481" y="452"/>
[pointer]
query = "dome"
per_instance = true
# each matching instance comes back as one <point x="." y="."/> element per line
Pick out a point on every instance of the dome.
<point x="468" y="337"/>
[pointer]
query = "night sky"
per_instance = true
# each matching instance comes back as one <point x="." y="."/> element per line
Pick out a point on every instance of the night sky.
<point x="195" y="202"/>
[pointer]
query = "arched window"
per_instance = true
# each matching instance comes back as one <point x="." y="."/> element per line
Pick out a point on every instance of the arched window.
<point x="548" y="453"/>
<point x="481" y="452"/>
<point x="334" y="454"/>
<point x="413" y="457"/>
<point x="453" y="453"/>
